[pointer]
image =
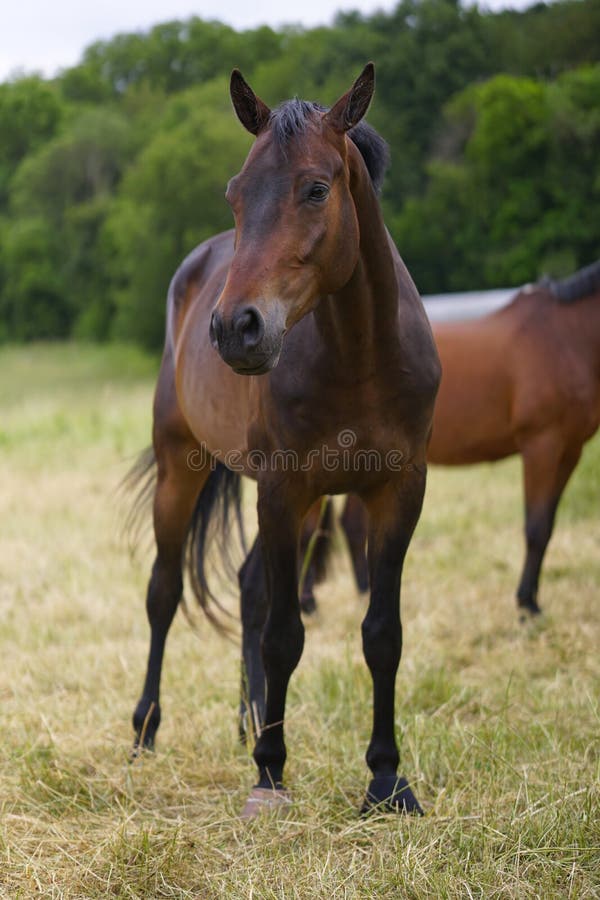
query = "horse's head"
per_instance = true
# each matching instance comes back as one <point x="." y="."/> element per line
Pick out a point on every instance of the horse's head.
<point x="296" y="229"/>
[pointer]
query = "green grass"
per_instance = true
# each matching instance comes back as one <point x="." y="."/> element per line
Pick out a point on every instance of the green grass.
<point x="498" y="723"/>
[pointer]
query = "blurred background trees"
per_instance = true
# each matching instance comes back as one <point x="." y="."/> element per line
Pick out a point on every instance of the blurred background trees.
<point x="113" y="171"/>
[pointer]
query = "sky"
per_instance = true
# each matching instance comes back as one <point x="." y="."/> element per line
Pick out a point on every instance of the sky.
<point x="47" y="35"/>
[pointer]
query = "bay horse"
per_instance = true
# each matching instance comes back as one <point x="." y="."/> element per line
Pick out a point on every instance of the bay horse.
<point x="524" y="379"/>
<point x="297" y="326"/>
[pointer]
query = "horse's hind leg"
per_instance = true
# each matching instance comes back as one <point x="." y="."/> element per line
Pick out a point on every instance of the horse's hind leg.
<point x="548" y="461"/>
<point x="253" y="599"/>
<point x="178" y="487"/>
<point x="354" y="522"/>
<point x="319" y="519"/>
<point x="308" y="604"/>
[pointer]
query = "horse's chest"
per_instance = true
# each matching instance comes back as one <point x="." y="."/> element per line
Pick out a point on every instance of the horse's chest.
<point x="342" y="435"/>
<point x="377" y="410"/>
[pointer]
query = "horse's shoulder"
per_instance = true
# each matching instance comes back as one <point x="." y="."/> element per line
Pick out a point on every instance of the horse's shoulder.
<point x="196" y="271"/>
<point x="199" y="265"/>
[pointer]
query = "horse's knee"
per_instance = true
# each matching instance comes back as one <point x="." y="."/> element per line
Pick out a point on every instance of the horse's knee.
<point x="382" y="643"/>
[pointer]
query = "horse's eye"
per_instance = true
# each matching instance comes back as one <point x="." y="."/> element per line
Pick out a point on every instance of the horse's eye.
<point x="318" y="192"/>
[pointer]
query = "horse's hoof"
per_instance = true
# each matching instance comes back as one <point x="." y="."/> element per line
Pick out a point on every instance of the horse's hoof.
<point x="528" y="611"/>
<point x="146" y="720"/>
<point x="389" y="793"/>
<point x="266" y="800"/>
<point x="138" y="750"/>
<point x="145" y="743"/>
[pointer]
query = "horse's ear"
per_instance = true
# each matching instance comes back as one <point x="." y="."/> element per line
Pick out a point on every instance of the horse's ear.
<point x="251" y="111"/>
<point x="349" y="109"/>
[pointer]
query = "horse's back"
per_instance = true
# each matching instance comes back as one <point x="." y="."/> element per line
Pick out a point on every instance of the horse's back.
<point x="556" y="364"/>
<point x="521" y="369"/>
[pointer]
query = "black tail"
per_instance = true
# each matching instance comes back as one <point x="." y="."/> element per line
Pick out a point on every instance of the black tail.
<point x="141" y="478"/>
<point x="210" y="525"/>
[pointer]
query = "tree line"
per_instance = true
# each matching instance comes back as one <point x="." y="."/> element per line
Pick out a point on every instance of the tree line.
<point x="112" y="171"/>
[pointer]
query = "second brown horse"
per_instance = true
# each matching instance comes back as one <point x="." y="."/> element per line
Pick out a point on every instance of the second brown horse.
<point x="525" y="379"/>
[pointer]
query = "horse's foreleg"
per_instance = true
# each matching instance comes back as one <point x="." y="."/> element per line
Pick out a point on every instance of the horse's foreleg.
<point x="253" y="595"/>
<point x="547" y="466"/>
<point x="354" y="522"/>
<point x="177" y="490"/>
<point x="393" y="514"/>
<point x="283" y="634"/>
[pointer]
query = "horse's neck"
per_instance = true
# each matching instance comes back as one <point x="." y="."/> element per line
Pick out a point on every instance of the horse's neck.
<point x="359" y="324"/>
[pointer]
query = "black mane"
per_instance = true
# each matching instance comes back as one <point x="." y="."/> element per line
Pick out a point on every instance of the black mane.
<point x="581" y="284"/>
<point x="294" y="116"/>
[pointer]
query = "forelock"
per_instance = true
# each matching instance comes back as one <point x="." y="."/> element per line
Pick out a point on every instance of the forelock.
<point x="293" y="118"/>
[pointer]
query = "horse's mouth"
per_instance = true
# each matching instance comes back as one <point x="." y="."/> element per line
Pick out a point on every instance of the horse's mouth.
<point x="260" y="369"/>
<point x="258" y="364"/>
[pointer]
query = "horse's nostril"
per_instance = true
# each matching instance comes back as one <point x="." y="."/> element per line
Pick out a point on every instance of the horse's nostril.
<point x="250" y="326"/>
<point x="215" y="329"/>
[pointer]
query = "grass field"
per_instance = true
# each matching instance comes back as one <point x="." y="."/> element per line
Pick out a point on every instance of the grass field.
<point x="499" y="723"/>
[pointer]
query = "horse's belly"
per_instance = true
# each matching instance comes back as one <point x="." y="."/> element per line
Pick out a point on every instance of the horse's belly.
<point x="467" y="431"/>
<point x="466" y="449"/>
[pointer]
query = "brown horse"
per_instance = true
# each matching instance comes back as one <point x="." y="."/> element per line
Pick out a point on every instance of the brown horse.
<point x="282" y="336"/>
<point x="525" y="379"/>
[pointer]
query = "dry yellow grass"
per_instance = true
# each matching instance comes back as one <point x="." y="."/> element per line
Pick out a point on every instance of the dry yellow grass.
<point x="499" y="724"/>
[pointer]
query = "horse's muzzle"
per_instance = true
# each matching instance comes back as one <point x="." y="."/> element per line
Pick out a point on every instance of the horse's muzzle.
<point x="244" y="342"/>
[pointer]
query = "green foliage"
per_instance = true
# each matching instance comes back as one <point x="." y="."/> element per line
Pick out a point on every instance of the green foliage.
<point x="112" y="173"/>
<point x="522" y="165"/>
<point x="33" y="303"/>
<point x="62" y="194"/>
<point x="30" y="113"/>
<point x="171" y="199"/>
<point x="170" y="57"/>
<point x="438" y="48"/>
<point x="85" y="160"/>
<point x="439" y="235"/>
